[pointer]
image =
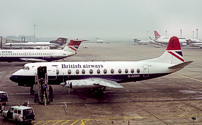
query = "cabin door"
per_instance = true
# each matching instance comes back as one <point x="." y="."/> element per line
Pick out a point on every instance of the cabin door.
<point x="145" y="71"/>
<point x="52" y="73"/>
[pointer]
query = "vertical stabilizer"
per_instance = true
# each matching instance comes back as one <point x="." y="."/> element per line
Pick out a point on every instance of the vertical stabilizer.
<point x="156" y="34"/>
<point x="173" y="53"/>
<point x="75" y="43"/>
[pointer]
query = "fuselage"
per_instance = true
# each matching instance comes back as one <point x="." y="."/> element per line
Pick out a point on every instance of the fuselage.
<point x="165" y="40"/>
<point x="22" y="55"/>
<point x="115" y="71"/>
<point x="31" y="45"/>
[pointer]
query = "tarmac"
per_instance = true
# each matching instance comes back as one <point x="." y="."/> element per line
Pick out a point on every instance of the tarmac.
<point x="173" y="99"/>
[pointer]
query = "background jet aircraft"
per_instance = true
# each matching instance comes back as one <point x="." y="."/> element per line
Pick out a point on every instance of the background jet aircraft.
<point x="163" y="40"/>
<point x="99" y="75"/>
<point x="54" y="44"/>
<point x="99" y="40"/>
<point x="195" y="43"/>
<point x="40" y="55"/>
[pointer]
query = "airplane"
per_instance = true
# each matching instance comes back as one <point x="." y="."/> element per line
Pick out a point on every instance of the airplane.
<point x="54" y="44"/>
<point x="99" y="75"/>
<point x="195" y="43"/>
<point x="140" y="42"/>
<point x="40" y="55"/>
<point x="165" y="39"/>
<point x="99" y="41"/>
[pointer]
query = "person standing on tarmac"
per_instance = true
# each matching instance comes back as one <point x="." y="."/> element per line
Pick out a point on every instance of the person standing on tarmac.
<point x="44" y="98"/>
<point x="51" y="93"/>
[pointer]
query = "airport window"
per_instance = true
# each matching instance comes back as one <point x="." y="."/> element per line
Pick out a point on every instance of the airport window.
<point x="132" y="70"/>
<point x="112" y="71"/>
<point x="105" y="71"/>
<point x="126" y="70"/>
<point x="83" y="71"/>
<point x="77" y="71"/>
<point x="119" y="71"/>
<point x="69" y="71"/>
<point x="91" y="71"/>
<point x="138" y="70"/>
<point x="98" y="71"/>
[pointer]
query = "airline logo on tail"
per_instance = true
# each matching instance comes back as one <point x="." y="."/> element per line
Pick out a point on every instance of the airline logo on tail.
<point x="156" y="35"/>
<point x="75" y="43"/>
<point x="71" y="47"/>
<point x="174" y="48"/>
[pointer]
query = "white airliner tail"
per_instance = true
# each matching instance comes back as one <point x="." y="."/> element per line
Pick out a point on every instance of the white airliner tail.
<point x="156" y="34"/>
<point x="173" y="53"/>
<point x="73" y="45"/>
<point x="76" y="43"/>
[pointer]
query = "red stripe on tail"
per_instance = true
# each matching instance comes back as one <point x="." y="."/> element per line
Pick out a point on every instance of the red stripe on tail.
<point x="176" y="56"/>
<point x="72" y="48"/>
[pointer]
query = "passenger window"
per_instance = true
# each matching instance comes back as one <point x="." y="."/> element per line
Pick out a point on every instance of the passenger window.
<point x="15" y="111"/>
<point x="69" y="71"/>
<point x="132" y="70"/>
<point x="105" y="71"/>
<point x="83" y="71"/>
<point x="126" y="70"/>
<point x="77" y="71"/>
<point x="19" y="111"/>
<point x="119" y="71"/>
<point x="98" y="71"/>
<point x="138" y="70"/>
<point x="112" y="71"/>
<point x="91" y="71"/>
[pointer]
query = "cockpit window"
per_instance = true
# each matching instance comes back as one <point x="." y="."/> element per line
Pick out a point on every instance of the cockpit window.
<point x="26" y="68"/>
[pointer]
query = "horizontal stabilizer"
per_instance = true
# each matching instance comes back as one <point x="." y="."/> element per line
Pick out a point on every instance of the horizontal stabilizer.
<point x="32" y="59"/>
<point x="181" y="65"/>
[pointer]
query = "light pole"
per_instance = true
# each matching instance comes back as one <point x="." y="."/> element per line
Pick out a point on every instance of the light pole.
<point x="166" y="32"/>
<point x="147" y="34"/>
<point x="180" y="33"/>
<point x="1" y="43"/>
<point x="193" y="34"/>
<point x="34" y="34"/>
<point x="34" y="30"/>
<point x="196" y="33"/>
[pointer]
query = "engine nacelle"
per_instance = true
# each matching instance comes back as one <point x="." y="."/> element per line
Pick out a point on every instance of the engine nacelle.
<point x="80" y="84"/>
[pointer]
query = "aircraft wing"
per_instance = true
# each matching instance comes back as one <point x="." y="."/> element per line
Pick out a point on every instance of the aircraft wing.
<point x="104" y="82"/>
<point x="32" y="60"/>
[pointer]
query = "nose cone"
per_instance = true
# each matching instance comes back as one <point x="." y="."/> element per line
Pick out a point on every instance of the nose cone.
<point x="14" y="78"/>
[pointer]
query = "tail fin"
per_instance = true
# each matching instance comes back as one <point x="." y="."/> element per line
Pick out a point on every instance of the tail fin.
<point x="173" y="53"/>
<point x="60" y="41"/>
<point x="156" y="34"/>
<point x="75" y="43"/>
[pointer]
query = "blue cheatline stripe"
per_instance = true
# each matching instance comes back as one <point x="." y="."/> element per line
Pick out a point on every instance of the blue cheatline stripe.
<point x="59" y="79"/>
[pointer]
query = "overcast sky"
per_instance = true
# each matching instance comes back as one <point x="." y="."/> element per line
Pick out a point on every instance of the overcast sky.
<point x="100" y="18"/>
